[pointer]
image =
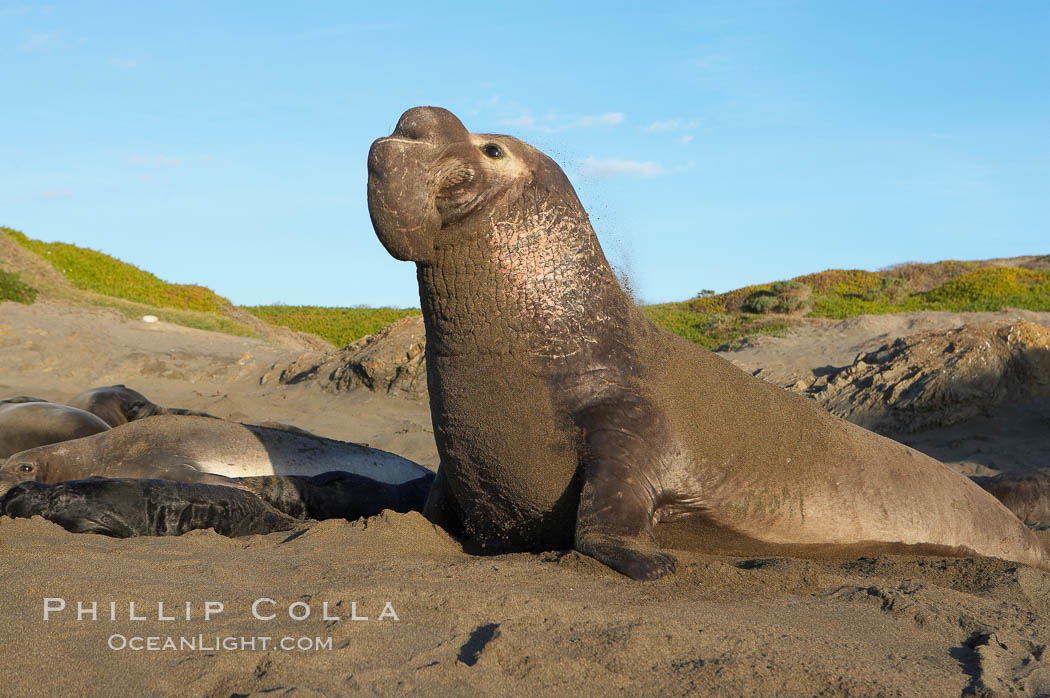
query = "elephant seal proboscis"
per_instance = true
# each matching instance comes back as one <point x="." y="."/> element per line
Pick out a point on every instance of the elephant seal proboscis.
<point x="123" y="507"/>
<point x="565" y="418"/>
<point x="201" y="449"/>
<point x="119" y="404"/>
<point x="27" y="423"/>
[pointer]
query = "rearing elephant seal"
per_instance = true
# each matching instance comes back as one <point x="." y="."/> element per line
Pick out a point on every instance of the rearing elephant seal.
<point x="565" y="418"/>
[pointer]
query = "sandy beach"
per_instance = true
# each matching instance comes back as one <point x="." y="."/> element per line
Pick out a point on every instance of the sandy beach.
<point x="396" y="606"/>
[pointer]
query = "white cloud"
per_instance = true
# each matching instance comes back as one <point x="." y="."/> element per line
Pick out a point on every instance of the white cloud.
<point x="605" y="168"/>
<point x="608" y="119"/>
<point x="124" y="63"/>
<point x="39" y="42"/>
<point x="672" y="125"/>
<point x="154" y="161"/>
<point x="669" y="125"/>
<point x="687" y="138"/>
<point x="526" y="120"/>
<point x="52" y="195"/>
<point x="554" y="123"/>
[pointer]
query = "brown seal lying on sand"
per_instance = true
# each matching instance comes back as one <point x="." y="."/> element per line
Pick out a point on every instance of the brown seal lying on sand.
<point x="1026" y="494"/>
<point x="201" y="449"/>
<point x="29" y="422"/>
<point x="119" y="404"/>
<point x="565" y="418"/>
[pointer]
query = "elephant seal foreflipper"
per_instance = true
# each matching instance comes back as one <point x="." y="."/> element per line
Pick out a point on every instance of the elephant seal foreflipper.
<point x="119" y="404"/>
<point x="565" y="418"/>
<point x="201" y="449"/>
<point x="123" y="508"/>
<point x="27" y="423"/>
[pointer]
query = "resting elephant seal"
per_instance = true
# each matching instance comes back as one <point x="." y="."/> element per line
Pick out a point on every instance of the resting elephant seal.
<point x="200" y="449"/>
<point x="28" y="422"/>
<point x="123" y="508"/>
<point x="119" y="404"/>
<point x="565" y="418"/>
<point x="1026" y="494"/>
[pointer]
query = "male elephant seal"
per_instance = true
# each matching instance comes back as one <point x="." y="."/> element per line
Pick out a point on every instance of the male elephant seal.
<point x="200" y="449"/>
<point x="119" y="404"/>
<point x="565" y="418"/>
<point x="28" y="422"/>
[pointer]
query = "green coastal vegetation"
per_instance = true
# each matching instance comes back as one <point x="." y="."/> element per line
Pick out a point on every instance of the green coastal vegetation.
<point x="709" y="319"/>
<point x="713" y="320"/>
<point x="94" y="278"/>
<point x="106" y="281"/>
<point x="14" y="289"/>
<point x="340" y="326"/>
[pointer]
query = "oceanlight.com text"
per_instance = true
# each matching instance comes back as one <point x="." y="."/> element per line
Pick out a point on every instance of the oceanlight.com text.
<point x="216" y="643"/>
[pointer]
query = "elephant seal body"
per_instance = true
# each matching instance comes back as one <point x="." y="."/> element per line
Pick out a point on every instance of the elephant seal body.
<point x="1026" y="494"/>
<point x="27" y="423"/>
<point x="119" y="404"/>
<point x="122" y="507"/>
<point x="565" y="418"/>
<point x="201" y="449"/>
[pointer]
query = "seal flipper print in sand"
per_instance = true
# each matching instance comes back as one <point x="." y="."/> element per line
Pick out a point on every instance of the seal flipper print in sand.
<point x="565" y="418"/>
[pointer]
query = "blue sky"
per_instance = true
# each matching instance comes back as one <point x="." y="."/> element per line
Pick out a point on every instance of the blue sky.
<point x="715" y="144"/>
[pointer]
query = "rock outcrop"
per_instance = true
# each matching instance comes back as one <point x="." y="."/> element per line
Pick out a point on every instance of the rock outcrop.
<point x="391" y="361"/>
<point x="939" y="378"/>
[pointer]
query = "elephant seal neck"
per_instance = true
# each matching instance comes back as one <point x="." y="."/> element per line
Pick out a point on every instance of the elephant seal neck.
<point x="535" y="282"/>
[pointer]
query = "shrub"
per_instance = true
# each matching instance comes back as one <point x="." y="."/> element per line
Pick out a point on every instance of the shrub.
<point x="892" y="289"/>
<point x="760" y="302"/>
<point x="842" y="281"/>
<point x="993" y="288"/>
<point x="782" y="297"/>
<point x="14" y="289"/>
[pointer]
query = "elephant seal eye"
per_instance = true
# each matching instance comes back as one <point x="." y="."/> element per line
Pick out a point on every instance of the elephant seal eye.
<point x="493" y="151"/>
<point x="25" y="468"/>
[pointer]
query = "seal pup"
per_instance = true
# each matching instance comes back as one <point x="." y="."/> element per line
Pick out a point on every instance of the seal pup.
<point x="200" y="449"/>
<point x="565" y="418"/>
<point x="123" y="507"/>
<point x="28" y="422"/>
<point x="119" y="404"/>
